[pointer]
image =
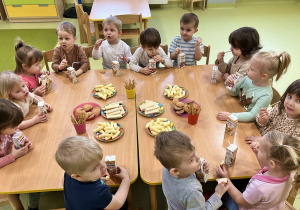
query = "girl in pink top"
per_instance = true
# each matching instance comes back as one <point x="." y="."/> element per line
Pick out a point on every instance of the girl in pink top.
<point x="279" y="155"/>
<point x="28" y="67"/>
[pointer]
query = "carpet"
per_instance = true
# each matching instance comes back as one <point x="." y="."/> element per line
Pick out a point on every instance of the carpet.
<point x="42" y="39"/>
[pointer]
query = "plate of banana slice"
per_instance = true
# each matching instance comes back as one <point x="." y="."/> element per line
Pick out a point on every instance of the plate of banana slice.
<point x="108" y="131"/>
<point x="154" y="127"/>
<point x="175" y="92"/>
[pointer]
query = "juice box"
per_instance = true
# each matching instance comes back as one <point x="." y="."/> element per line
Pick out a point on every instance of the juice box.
<point x="152" y="66"/>
<point x="200" y="174"/>
<point x="111" y="164"/>
<point x="19" y="139"/>
<point x="231" y="124"/>
<point x="181" y="60"/>
<point x="72" y="75"/>
<point x="237" y="78"/>
<point x="42" y="108"/>
<point x="115" y="66"/>
<point x="214" y="75"/>
<point x="230" y="154"/>
<point x="46" y="81"/>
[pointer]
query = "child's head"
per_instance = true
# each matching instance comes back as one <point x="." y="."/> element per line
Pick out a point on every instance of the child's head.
<point x="290" y="100"/>
<point x="188" y="26"/>
<point x="12" y="87"/>
<point x="112" y="29"/>
<point x="150" y="41"/>
<point x="267" y="64"/>
<point x="11" y="117"/>
<point x="176" y="152"/>
<point x="244" y="42"/>
<point x="280" y="150"/>
<point x="66" y="33"/>
<point x="28" y="59"/>
<point x="81" y="158"/>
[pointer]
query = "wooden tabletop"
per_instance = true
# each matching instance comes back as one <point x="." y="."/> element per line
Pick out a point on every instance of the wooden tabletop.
<point x="208" y="134"/>
<point x="38" y="171"/>
<point x="102" y="9"/>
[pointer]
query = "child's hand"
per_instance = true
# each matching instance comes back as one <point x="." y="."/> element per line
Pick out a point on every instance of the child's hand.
<point x="63" y="64"/>
<point x="220" y="56"/>
<point x="198" y="42"/>
<point x="158" y="58"/>
<point x="45" y="72"/>
<point x="123" y="58"/>
<point x="221" y="189"/>
<point x="225" y="76"/>
<point x="145" y="70"/>
<point x="123" y="173"/>
<point x="39" y="118"/>
<point x="230" y="79"/>
<point x="223" y="115"/>
<point x="49" y="107"/>
<point x="98" y="44"/>
<point x="17" y="153"/>
<point x="177" y="50"/>
<point x="250" y="139"/>
<point x="206" y="167"/>
<point x="40" y="90"/>
<point x="263" y="116"/>
<point x="222" y="172"/>
<point x="255" y="147"/>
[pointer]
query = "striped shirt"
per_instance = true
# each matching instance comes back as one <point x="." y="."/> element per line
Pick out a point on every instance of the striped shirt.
<point x="188" y="48"/>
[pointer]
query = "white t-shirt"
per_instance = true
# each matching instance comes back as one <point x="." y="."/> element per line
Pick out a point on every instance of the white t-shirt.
<point x="111" y="53"/>
<point x="24" y="106"/>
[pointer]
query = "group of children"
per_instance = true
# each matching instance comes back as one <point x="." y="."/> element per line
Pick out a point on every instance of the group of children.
<point x="248" y="74"/>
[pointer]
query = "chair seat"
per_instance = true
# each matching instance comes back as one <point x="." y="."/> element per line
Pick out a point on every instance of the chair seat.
<point x="130" y="32"/>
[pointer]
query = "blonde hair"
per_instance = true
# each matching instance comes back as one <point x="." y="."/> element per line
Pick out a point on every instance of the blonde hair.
<point x="67" y="27"/>
<point x="8" y="81"/>
<point x="275" y="64"/>
<point x="113" y="20"/>
<point x="285" y="151"/>
<point x="76" y="153"/>
<point x="26" y="54"/>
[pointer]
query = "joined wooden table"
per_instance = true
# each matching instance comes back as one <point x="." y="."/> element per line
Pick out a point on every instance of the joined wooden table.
<point x="208" y="134"/>
<point x="102" y="9"/>
<point x="38" y="171"/>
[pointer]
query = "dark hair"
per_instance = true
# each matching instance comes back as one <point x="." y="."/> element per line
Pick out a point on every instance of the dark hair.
<point x="150" y="38"/>
<point x="11" y="115"/>
<point x="170" y="147"/>
<point x="247" y="39"/>
<point x="294" y="88"/>
<point x="26" y="54"/>
<point x="188" y="18"/>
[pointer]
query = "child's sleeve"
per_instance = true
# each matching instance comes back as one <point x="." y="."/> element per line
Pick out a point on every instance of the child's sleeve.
<point x="135" y="60"/>
<point x="271" y="114"/>
<point x="97" y="54"/>
<point x="4" y="161"/>
<point x="236" y="90"/>
<point x="223" y="67"/>
<point x="83" y="60"/>
<point x="253" y="194"/>
<point x="196" y="201"/>
<point x="56" y="59"/>
<point x="168" y="62"/>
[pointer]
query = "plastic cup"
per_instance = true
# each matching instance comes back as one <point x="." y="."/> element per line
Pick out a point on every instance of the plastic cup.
<point x="192" y="119"/>
<point x="130" y="93"/>
<point x="80" y="128"/>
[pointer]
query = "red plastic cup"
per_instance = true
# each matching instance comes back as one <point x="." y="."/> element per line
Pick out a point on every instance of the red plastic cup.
<point x="192" y="119"/>
<point x="80" y="128"/>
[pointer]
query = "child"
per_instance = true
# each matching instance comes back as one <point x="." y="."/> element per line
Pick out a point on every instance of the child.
<point x="244" y="43"/>
<point x="176" y="152"/>
<point x="283" y="117"/>
<point x="254" y="90"/>
<point x="68" y="53"/>
<point x="12" y="88"/>
<point x="191" y="46"/>
<point x="278" y="155"/>
<point x="150" y="49"/>
<point x="11" y="117"/>
<point x="28" y="67"/>
<point x="112" y="48"/>
<point x="82" y="160"/>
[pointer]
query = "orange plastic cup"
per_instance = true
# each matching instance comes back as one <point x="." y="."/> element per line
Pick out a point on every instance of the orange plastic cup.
<point x="192" y="119"/>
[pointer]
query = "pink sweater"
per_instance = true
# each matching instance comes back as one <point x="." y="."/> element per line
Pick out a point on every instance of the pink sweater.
<point x="5" y="144"/>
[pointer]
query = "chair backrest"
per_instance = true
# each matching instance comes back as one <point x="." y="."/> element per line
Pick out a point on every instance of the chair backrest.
<point x="276" y="96"/>
<point x="48" y="57"/>
<point x="131" y="18"/>
<point x="164" y="47"/>
<point x="206" y="53"/>
<point x="88" y="51"/>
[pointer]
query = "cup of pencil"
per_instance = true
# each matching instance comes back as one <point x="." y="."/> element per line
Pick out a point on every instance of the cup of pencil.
<point x="193" y="111"/>
<point x="79" y="123"/>
<point x="130" y="88"/>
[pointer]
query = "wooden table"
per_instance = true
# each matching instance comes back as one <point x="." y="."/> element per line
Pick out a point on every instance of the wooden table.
<point x="102" y="9"/>
<point x="208" y="133"/>
<point x="38" y="170"/>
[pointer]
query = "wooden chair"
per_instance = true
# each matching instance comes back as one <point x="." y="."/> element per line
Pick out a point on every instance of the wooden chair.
<point x="86" y="28"/>
<point x="197" y="4"/>
<point x="88" y="51"/>
<point x="131" y="33"/>
<point x="164" y="47"/>
<point x="288" y="206"/>
<point x="206" y="53"/>
<point x="48" y="57"/>
<point x="276" y="96"/>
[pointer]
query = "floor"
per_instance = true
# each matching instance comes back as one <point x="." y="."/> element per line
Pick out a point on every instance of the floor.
<point x="277" y="24"/>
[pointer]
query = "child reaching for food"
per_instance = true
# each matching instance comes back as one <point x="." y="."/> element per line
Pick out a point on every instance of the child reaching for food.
<point x="279" y="156"/>
<point x="244" y="43"/>
<point x="12" y="88"/>
<point x="283" y="117"/>
<point x="28" y="67"/>
<point x="255" y="89"/>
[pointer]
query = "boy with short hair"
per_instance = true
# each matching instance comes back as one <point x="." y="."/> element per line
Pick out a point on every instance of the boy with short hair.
<point x="113" y="47"/>
<point x="69" y="52"/>
<point x="150" y="49"/>
<point x="82" y="160"/>
<point x="191" y="46"/>
<point x="180" y="161"/>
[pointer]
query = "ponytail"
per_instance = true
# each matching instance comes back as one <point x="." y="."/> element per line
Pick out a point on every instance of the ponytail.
<point x="284" y="62"/>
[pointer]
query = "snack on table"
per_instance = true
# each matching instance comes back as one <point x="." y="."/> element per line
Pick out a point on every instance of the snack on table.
<point x="200" y="174"/>
<point x="131" y="84"/>
<point x="154" y="127"/>
<point x="87" y="107"/>
<point x="89" y="110"/>
<point x="150" y="108"/>
<point x="111" y="165"/>
<point x="230" y="154"/>
<point x="104" y="91"/>
<point x="222" y="180"/>
<point x="108" y="131"/>
<point x="175" y="92"/>
<point x="114" y="110"/>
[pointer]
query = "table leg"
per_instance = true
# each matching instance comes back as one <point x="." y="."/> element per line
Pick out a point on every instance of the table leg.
<point x="96" y="30"/>
<point x="145" y="24"/>
<point x="153" y="199"/>
<point x="129" y="199"/>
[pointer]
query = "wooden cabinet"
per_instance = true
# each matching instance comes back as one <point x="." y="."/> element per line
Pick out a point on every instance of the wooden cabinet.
<point x="34" y="10"/>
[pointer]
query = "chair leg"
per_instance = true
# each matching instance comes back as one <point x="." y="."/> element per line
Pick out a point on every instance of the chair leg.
<point x="183" y="4"/>
<point x="203" y="5"/>
<point x="89" y="37"/>
<point x="197" y="3"/>
<point x="192" y="6"/>
<point x="139" y="41"/>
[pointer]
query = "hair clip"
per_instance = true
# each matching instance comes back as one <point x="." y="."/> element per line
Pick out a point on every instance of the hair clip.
<point x="280" y="57"/>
